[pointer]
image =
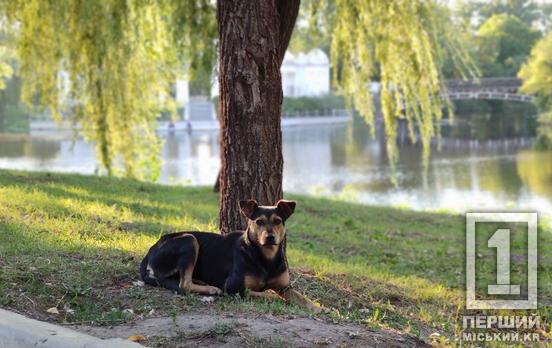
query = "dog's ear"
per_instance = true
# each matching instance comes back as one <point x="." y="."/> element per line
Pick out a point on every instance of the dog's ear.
<point x="248" y="207"/>
<point x="285" y="208"/>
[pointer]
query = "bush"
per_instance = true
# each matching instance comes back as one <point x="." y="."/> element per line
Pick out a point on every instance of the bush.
<point x="13" y="118"/>
<point x="301" y="104"/>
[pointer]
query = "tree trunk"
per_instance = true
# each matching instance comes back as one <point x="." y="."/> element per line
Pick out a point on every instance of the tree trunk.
<point x="253" y="36"/>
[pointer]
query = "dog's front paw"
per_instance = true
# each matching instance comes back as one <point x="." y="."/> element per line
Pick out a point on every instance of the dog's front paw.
<point x="213" y="290"/>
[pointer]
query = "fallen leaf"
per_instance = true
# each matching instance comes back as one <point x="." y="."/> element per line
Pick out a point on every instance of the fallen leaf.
<point x="68" y="309"/>
<point x="207" y="299"/>
<point x="151" y="312"/>
<point x="136" y="338"/>
<point x="53" y="310"/>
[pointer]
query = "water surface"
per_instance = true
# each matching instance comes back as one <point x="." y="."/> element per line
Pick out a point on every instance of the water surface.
<point x="338" y="160"/>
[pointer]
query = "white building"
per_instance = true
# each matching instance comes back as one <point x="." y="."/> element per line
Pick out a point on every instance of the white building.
<point x="182" y="92"/>
<point x="306" y="74"/>
<point x="303" y="74"/>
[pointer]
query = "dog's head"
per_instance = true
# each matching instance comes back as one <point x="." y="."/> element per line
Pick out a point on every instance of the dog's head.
<point x="266" y="224"/>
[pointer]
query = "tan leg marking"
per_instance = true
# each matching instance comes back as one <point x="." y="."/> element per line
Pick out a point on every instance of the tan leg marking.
<point x="265" y="295"/>
<point x="186" y="281"/>
<point x="293" y="296"/>
<point x="199" y="282"/>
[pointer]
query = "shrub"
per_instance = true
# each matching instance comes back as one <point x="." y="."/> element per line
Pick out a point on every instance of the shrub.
<point x="301" y="104"/>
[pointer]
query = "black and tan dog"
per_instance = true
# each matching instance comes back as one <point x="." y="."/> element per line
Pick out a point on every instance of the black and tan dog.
<point x="209" y="263"/>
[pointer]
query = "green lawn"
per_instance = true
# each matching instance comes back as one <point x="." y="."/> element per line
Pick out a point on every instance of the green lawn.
<point x="74" y="242"/>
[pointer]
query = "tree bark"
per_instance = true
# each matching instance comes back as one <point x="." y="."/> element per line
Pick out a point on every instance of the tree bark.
<point x="253" y="36"/>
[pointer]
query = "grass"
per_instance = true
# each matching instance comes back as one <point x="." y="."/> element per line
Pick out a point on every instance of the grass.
<point x="74" y="243"/>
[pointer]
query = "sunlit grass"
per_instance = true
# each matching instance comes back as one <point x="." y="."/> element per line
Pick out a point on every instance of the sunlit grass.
<point x="74" y="242"/>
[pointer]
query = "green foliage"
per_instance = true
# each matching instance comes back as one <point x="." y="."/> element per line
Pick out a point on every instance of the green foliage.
<point x="5" y="68"/>
<point x="6" y="56"/>
<point x="537" y="73"/>
<point x="399" y="41"/>
<point x="537" y="79"/>
<point x="304" y="40"/>
<point x="121" y="58"/>
<point x="310" y="33"/>
<point x="530" y="12"/>
<point x="12" y="112"/>
<point x="503" y="32"/>
<point x="13" y="118"/>
<point x="299" y="104"/>
<point x="118" y="60"/>
<point x="504" y="42"/>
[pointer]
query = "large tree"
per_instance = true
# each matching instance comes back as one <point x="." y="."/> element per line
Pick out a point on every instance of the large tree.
<point x="121" y="57"/>
<point x="253" y="38"/>
<point x="533" y="13"/>
<point x="537" y="80"/>
<point x="504" y="43"/>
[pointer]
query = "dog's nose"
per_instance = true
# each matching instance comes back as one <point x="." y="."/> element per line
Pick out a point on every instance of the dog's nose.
<point x="270" y="239"/>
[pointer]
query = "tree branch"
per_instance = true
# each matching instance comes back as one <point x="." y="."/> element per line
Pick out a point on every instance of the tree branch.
<point x="288" y="11"/>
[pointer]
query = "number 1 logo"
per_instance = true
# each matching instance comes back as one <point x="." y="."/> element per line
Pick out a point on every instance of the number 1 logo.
<point x="501" y="241"/>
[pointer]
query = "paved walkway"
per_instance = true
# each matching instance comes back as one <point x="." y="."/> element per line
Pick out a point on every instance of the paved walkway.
<point x="17" y="331"/>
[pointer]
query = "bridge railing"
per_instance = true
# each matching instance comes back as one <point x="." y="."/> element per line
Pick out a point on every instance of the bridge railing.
<point x="492" y="82"/>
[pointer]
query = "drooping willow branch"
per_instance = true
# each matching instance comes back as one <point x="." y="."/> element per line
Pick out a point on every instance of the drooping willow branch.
<point x="402" y="44"/>
<point x="109" y="65"/>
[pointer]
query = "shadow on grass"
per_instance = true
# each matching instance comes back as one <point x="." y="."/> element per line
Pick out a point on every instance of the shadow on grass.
<point x="74" y="242"/>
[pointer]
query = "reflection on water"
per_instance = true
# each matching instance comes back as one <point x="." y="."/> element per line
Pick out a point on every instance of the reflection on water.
<point x="535" y="170"/>
<point x="342" y="160"/>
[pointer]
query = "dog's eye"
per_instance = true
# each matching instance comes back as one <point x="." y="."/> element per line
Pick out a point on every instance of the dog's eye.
<point x="277" y="221"/>
<point x="260" y="222"/>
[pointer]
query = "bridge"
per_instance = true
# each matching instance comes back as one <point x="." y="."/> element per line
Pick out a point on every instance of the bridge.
<point x="495" y="88"/>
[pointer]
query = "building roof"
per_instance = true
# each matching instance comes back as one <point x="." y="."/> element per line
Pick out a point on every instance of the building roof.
<point x="314" y="57"/>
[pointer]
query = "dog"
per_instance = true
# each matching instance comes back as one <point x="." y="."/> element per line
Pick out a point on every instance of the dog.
<point x="251" y="261"/>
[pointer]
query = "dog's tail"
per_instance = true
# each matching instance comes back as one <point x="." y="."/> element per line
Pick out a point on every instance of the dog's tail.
<point x="145" y="274"/>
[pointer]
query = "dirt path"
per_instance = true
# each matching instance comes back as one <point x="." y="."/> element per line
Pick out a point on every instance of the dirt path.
<point x="219" y="330"/>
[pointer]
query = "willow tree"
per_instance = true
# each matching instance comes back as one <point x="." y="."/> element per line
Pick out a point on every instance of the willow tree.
<point x="108" y="66"/>
<point x="5" y="68"/>
<point x="121" y="57"/>
<point x="537" y="80"/>
<point x="6" y="55"/>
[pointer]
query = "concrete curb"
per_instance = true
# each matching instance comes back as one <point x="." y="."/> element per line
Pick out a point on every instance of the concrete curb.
<point x="17" y="331"/>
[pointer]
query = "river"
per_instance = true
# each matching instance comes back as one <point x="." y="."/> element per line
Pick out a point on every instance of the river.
<point x="340" y="160"/>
